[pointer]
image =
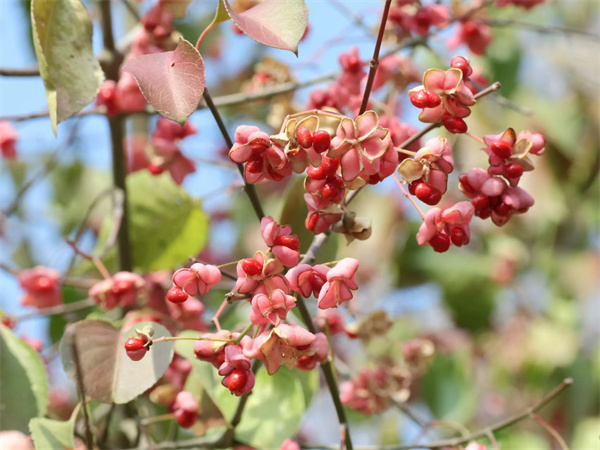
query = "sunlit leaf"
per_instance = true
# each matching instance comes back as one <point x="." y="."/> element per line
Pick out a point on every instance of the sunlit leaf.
<point x="62" y="36"/>
<point x="108" y="374"/>
<point x="276" y="23"/>
<point x="286" y="389"/>
<point x="172" y="82"/>
<point x="24" y="392"/>
<point x="167" y="224"/>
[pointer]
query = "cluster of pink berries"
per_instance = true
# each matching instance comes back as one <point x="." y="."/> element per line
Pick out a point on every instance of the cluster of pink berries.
<point x="494" y="193"/>
<point x="161" y="152"/>
<point x="411" y="16"/>
<point x="444" y="97"/>
<point x="262" y="281"/>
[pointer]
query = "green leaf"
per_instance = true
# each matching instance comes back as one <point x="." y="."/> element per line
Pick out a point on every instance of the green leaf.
<point x="448" y="388"/>
<point x="62" y="36"/>
<point x="290" y="390"/>
<point x="167" y="224"/>
<point x="285" y="391"/>
<point x="108" y="374"/>
<point x="47" y="433"/>
<point x="25" y="386"/>
<point x="75" y="188"/>
<point x="221" y="15"/>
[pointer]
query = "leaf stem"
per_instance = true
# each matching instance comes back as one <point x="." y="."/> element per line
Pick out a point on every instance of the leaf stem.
<point x="408" y="196"/>
<point x="190" y="338"/>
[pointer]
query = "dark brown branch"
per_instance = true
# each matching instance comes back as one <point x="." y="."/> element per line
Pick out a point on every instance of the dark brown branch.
<point x="249" y="188"/>
<point x="23" y="72"/>
<point x="117" y="134"/>
<point x="375" y="60"/>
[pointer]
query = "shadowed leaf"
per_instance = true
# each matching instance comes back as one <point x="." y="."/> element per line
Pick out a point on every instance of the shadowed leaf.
<point x="108" y="374"/>
<point x="276" y="23"/>
<point x="62" y="36"/>
<point x="172" y="82"/>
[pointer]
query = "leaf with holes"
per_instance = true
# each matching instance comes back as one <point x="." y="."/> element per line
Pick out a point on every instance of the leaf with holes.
<point x="62" y="37"/>
<point x="172" y="82"/>
<point x="276" y="23"/>
<point x="108" y="374"/>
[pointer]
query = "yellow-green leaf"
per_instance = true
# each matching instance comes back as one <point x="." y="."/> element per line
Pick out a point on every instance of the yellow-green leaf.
<point x="62" y="37"/>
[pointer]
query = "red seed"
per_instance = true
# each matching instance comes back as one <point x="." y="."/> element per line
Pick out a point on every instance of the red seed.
<point x="480" y="202"/>
<point x="419" y="98"/>
<point x="311" y="221"/>
<point x="440" y="242"/>
<point x="514" y="170"/>
<point x="464" y="183"/>
<point x="321" y="140"/>
<point x="428" y="194"/>
<point x="433" y="99"/>
<point x="237" y="380"/>
<point x="176" y="295"/>
<point x="454" y="124"/>
<point x="304" y="137"/>
<point x="502" y="149"/>
<point x="316" y="173"/>
<point x="251" y="267"/>
<point x="459" y="237"/>
<point x="258" y="145"/>
<point x="155" y="169"/>
<point x="289" y="241"/>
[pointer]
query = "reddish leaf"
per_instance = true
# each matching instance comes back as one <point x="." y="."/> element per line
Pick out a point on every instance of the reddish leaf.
<point x="276" y="23"/>
<point x="172" y="82"/>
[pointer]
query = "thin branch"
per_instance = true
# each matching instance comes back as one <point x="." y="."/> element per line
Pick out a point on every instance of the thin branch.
<point x="89" y="438"/>
<point x="23" y="72"/>
<point x="58" y="309"/>
<point x="355" y="18"/>
<point x="43" y="172"/>
<point x="326" y="367"/>
<point x="375" y="60"/>
<point x="221" y="101"/>
<point x="550" y="29"/>
<point x="551" y="431"/>
<point x="455" y="442"/>
<point x="249" y="188"/>
<point x="132" y="10"/>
